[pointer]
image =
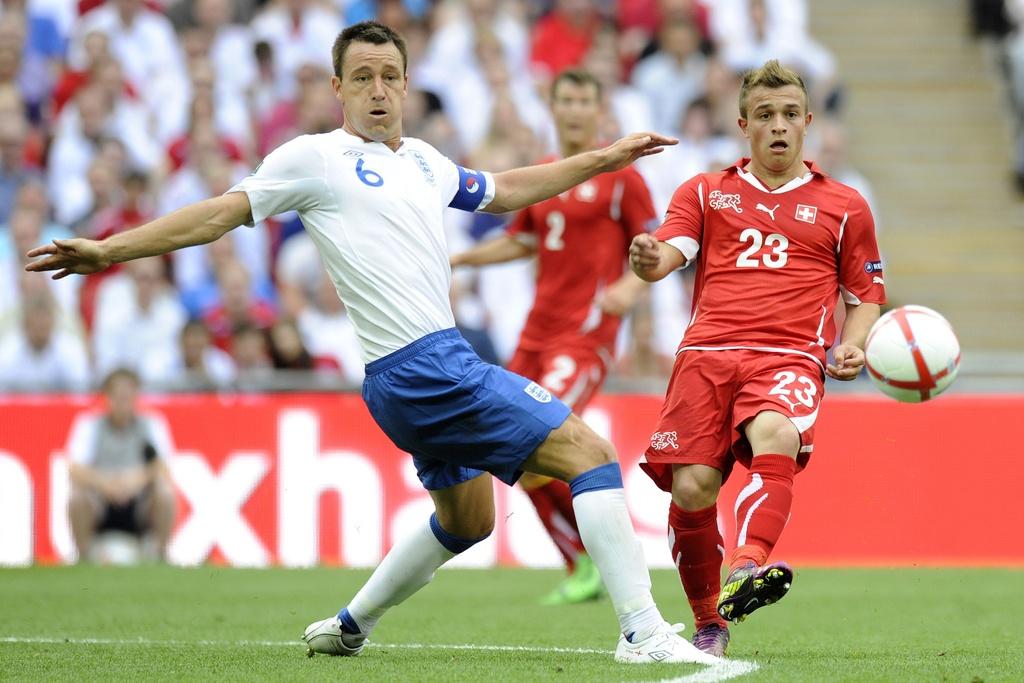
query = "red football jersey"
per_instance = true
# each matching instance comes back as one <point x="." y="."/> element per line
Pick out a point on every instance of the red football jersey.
<point x="772" y="263"/>
<point x="582" y="238"/>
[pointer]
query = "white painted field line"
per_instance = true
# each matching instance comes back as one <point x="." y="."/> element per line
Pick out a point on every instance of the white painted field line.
<point x="296" y="644"/>
<point x="723" y="671"/>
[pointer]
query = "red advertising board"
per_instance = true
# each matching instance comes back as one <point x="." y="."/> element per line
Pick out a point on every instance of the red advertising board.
<point x="300" y="479"/>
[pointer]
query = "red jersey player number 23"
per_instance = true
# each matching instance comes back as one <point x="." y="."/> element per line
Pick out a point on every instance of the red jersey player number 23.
<point x="770" y="266"/>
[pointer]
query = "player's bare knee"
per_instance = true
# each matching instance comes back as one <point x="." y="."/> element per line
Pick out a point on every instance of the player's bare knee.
<point x="773" y="433"/>
<point x="468" y="524"/>
<point x="783" y="439"/>
<point x="569" y="451"/>
<point x="474" y="528"/>
<point x="599" y="451"/>
<point x="691" y="494"/>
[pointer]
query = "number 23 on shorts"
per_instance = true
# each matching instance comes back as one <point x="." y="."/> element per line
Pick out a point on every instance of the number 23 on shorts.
<point x="799" y="392"/>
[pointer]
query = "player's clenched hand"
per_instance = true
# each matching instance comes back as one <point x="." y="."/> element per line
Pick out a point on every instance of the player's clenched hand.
<point x="79" y="256"/>
<point x="644" y="253"/>
<point x="625" y="151"/>
<point x="849" y="361"/>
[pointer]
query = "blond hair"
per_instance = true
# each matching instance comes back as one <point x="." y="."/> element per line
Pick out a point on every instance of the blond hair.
<point x="771" y="75"/>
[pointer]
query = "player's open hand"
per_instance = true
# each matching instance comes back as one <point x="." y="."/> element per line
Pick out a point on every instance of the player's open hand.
<point x="644" y="253"/>
<point x="625" y="151"/>
<point x="74" y="256"/>
<point x="849" y="360"/>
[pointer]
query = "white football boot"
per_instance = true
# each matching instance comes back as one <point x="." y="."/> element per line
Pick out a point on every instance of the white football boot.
<point x="662" y="646"/>
<point x="326" y="637"/>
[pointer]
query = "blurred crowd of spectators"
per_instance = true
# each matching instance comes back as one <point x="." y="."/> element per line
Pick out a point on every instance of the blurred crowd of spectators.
<point x="1002" y="21"/>
<point x="112" y="113"/>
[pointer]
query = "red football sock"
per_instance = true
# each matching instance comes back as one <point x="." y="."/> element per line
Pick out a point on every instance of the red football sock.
<point x="762" y="508"/>
<point x="697" y="550"/>
<point x="561" y="527"/>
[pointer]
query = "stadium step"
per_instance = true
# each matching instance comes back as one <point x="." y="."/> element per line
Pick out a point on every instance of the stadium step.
<point x="930" y="128"/>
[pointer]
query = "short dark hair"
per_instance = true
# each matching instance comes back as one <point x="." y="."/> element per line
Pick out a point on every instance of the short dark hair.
<point x="576" y="77"/>
<point x="367" y="32"/>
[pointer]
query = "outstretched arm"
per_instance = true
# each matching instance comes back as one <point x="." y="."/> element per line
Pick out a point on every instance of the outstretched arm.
<point x="522" y="187"/>
<point x="499" y="250"/>
<point x="197" y="223"/>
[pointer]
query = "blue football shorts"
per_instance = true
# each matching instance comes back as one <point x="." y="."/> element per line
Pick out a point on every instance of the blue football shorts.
<point x="457" y="415"/>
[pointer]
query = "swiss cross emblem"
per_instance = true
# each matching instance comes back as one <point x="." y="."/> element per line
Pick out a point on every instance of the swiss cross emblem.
<point x="805" y="213"/>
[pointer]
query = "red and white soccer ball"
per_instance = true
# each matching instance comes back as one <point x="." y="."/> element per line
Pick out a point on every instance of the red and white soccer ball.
<point x="912" y="353"/>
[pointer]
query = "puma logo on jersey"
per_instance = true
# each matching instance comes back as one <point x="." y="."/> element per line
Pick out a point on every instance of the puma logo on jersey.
<point x="770" y="212"/>
<point x="718" y="200"/>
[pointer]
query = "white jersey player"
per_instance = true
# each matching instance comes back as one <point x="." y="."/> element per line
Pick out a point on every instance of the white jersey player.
<point x="373" y="202"/>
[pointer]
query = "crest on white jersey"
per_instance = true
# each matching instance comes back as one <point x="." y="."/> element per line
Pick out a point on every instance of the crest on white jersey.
<point x="538" y="393"/>
<point x="719" y="200"/>
<point x="424" y="166"/>
<point x="805" y="213"/>
<point x="352" y="153"/>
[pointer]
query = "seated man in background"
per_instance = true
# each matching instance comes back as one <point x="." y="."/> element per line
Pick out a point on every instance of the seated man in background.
<point x="119" y="476"/>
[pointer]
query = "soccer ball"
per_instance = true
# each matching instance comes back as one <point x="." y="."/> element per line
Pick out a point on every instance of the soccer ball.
<point x="912" y="354"/>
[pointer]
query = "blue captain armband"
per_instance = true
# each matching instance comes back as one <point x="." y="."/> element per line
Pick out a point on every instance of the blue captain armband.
<point x="475" y="190"/>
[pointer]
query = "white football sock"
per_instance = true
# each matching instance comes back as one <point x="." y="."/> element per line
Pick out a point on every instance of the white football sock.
<point x="608" y="535"/>
<point x="409" y="566"/>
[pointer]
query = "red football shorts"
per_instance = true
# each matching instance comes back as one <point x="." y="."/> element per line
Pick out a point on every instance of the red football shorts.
<point x="573" y="374"/>
<point x="713" y="394"/>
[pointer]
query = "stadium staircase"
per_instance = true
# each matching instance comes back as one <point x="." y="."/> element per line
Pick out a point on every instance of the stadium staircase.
<point x="929" y="126"/>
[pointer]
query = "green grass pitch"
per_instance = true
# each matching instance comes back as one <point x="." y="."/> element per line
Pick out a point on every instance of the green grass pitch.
<point x="161" y="623"/>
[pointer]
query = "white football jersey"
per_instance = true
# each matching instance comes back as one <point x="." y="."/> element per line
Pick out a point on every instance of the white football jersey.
<point x="375" y="216"/>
